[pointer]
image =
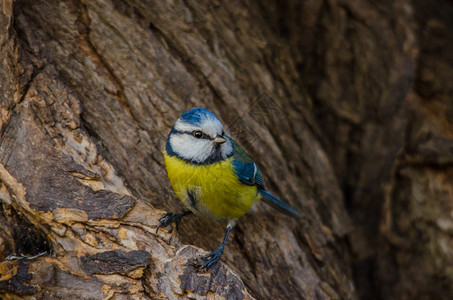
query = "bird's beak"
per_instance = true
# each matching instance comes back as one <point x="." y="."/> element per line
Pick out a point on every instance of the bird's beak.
<point x="219" y="140"/>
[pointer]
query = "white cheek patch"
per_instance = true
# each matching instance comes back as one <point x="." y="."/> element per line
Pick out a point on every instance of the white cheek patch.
<point x="189" y="149"/>
<point x="199" y="150"/>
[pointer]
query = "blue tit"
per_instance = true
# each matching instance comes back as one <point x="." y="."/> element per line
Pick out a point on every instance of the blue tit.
<point x="212" y="174"/>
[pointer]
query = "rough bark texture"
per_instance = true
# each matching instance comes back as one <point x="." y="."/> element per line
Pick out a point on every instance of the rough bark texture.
<point x="345" y="105"/>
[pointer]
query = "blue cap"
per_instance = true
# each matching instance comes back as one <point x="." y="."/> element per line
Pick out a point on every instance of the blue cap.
<point x="196" y="115"/>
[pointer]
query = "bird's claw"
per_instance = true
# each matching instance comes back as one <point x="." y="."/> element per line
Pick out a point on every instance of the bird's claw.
<point x="164" y="216"/>
<point x="169" y="218"/>
<point x="213" y="258"/>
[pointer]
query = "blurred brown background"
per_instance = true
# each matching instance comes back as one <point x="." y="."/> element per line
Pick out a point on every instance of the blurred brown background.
<point x="345" y="105"/>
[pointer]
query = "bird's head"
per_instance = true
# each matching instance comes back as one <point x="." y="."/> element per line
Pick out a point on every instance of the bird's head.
<point x="198" y="137"/>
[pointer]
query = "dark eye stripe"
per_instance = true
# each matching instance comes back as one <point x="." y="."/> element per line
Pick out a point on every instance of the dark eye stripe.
<point x="205" y="136"/>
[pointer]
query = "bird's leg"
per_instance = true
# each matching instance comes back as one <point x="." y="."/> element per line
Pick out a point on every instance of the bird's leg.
<point x="217" y="254"/>
<point x="172" y="217"/>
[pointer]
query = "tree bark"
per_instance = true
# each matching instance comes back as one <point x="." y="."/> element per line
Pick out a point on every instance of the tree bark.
<point x="344" y="105"/>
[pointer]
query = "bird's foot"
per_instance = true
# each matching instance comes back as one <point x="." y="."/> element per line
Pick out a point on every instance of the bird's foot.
<point x="169" y="218"/>
<point x="212" y="257"/>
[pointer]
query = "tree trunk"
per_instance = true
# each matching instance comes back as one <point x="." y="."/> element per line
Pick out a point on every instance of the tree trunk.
<point x="345" y="106"/>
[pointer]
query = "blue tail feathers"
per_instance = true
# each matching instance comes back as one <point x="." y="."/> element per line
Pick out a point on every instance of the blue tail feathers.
<point x="279" y="204"/>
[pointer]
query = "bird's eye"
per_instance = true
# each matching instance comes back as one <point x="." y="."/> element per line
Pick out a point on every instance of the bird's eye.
<point x="198" y="134"/>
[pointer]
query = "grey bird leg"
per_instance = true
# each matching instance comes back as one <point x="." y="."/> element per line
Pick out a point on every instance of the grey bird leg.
<point x="217" y="254"/>
<point x="172" y="217"/>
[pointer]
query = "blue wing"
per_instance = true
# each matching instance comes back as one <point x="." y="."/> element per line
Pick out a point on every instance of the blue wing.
<point x="244" y="167"/>
<point x="248" y="173"/>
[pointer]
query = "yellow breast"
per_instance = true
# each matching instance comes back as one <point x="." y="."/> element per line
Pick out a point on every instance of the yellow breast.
<point x="213" y="190"/>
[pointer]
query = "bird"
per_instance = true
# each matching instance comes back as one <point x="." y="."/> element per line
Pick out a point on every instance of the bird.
<point x="212" y="175"/>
